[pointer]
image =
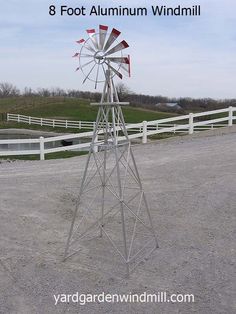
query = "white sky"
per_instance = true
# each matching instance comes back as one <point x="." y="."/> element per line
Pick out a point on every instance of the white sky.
<point x="181" y="56"/>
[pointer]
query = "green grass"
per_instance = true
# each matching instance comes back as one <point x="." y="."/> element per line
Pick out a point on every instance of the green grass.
<point x="70" y="108"/>
<point x="57" y="155"/>
<point x="16" y="125"/>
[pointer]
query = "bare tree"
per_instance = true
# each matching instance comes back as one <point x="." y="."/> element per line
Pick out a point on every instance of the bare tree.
<point x="57" y="91"/>
<point x="8" y="90"/>
<point x="43" y="92"/>
<point x="123" y="91"/>
<point x="28" y="91"/>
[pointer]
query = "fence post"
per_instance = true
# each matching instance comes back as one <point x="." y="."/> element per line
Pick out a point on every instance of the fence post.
<point x="53" y="123"/>
<point x="29" y="120"/>
<point x="41" y="145"/>
<point x="66" y="124"/>
<point x="18" y="118"/>
<point x="230" y="121"/>
<point x="191" y="126"/>
<point x="7" y="116"/>
<point x="144" y="139"/>
<point x="41" y="121"/>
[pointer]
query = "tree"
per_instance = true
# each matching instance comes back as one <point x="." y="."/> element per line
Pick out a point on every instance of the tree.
<point x="44" y="92"/>
<point x="8" y="90"/>
<point x="28" y="91"/>
<point x="123" y="91"/>
<point x="57" y="91"/>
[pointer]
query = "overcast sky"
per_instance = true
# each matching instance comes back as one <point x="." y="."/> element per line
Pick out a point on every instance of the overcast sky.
<point x="171" y="56"/>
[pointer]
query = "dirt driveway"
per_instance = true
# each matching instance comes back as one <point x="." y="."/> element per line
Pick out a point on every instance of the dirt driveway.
<point x="191" y="187"/>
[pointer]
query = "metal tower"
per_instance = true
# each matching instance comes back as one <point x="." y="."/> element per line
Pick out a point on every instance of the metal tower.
<point x="111" y="202"/>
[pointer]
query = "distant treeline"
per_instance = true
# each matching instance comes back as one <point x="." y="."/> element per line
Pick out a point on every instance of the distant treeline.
<point x="185" y="104"/>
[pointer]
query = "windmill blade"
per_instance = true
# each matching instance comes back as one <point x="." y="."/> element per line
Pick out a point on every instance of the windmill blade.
<point x="89" y="73"/>
<point x="84" y="65"/>
<point x="92" y="35"/>
<point x="122" y="45"/>
<point x="129" y="65"/>
<point x="124" y="62"/>
<point x="114" y="70"/>
<point x="86" y="45"/>
<point x="125" y="67"/>
<point x="118" y="59"/>
<point x="81" y="41"/>
<point x="86" y="55"/>
<point x="114" y="34"/>
<point x="102" y="35"/>
<point x="77" y="54"/>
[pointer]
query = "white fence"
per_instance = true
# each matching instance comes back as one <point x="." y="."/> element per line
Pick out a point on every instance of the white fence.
<point x="51" y="122"/>
<point x="186" y="123"/>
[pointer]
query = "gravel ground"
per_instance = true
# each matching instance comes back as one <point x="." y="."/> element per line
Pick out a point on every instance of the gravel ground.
<point x="190" y="183"/>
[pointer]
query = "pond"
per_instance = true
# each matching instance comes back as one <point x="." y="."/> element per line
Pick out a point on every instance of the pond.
<point x="35" y="146"/>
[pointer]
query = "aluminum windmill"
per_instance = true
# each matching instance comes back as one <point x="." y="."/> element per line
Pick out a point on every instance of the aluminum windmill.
<point x="111" y="202"/>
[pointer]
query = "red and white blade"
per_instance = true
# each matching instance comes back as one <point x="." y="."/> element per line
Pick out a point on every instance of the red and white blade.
<point x="115" y="71"/>
<point x="124" y="62"/>
<point x="75" y="55"/>
<point x="122" y="45"/>
<point x="86" y="45"/>
<point x="92" y="35"/>
<point x="129" y="66"/>
<point x="102" y="35"/>
<point x="118" y="59"/>
<point x="114" y="34"/>
<point x="81" y="41"/>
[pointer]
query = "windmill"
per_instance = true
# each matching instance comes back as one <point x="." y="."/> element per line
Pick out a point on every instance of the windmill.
<point x="111" y="203"/>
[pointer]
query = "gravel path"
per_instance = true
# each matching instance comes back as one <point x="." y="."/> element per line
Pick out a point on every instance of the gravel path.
<point x="190" y="183"/>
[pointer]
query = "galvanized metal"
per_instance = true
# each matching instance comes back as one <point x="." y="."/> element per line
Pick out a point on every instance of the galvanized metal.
<point x="112" y="201"/>
<point x="101" y="51"/>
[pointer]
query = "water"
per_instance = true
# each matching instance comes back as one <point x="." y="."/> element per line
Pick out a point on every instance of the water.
<point x="32" y="146"/>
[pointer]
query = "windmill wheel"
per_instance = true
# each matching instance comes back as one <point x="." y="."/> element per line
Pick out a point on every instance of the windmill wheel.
<point x="102" y="51"/>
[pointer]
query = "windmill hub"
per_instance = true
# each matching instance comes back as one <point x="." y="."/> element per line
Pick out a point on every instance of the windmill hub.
<point x="99" y="57"/>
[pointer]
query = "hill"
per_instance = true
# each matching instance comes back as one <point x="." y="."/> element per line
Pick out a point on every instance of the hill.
<point x="68" y="108"/>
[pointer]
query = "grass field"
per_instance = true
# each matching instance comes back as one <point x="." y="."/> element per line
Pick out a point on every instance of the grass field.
<point x="64" y="108"/>
<point x="69" y="108"/>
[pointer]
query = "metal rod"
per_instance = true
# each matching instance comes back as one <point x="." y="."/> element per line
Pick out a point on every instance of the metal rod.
<point x="145" y="201"/>
<point x="81" y="189"/>
<point x="121" y="203"/>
